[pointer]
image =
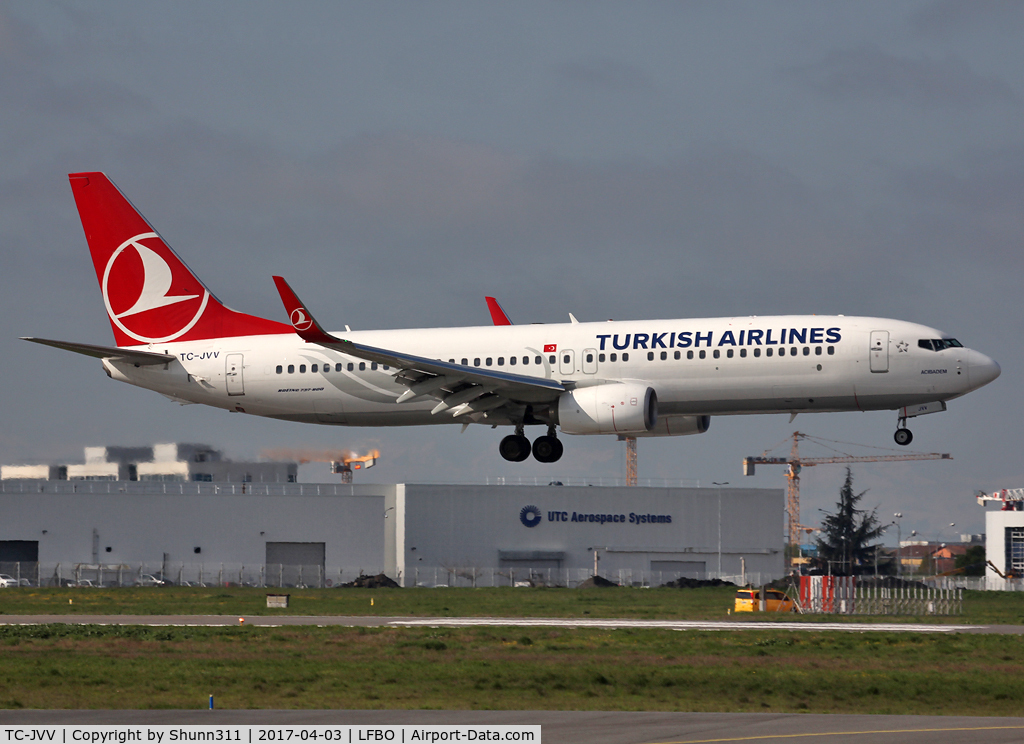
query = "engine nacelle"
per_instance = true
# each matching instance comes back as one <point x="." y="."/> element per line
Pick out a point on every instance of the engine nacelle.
<point x="612" y="408"/>
<point x="678" y="426"/>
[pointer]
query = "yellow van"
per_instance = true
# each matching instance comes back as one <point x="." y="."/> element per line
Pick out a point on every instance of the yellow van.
<point x="748" y="600"/>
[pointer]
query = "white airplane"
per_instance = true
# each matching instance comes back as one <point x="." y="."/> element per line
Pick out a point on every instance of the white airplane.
<point x="637" y="378"/>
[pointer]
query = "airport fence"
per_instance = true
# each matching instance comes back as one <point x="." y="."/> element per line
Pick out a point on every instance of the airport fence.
<point x="321" y="577"/>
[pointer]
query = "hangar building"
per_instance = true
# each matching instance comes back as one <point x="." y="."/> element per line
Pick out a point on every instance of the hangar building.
<point x="418" y="534"/>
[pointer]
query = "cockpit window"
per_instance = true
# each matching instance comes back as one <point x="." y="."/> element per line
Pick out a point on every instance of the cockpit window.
<point x="938" y="344"/>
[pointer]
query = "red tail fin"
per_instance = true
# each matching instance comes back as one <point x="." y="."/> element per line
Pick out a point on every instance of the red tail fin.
<point x="150" y="294"/>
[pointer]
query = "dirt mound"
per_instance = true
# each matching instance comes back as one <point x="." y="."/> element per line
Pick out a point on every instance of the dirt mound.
<point x="595" y="581"/>
<point x="380" y="581"/>
<point x="684" y="583"/>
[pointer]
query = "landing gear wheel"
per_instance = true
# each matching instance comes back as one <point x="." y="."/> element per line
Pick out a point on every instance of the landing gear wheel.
<point x="903" y="437"/>
<point x="514" y="448"/>
<point x="547" y="449"/>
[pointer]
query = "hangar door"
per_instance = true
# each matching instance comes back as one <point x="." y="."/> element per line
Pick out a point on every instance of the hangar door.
<point x="19" y="558"/>
<point x="674" y="569"/>
<point x="295" y="563"/>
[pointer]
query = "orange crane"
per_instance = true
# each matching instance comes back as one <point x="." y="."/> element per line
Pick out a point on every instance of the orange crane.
<point x="797" y="463"/>
<point x="342" y="462"/>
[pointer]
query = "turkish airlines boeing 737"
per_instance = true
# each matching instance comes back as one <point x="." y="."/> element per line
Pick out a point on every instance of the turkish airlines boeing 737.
<point x="638" y="378"/>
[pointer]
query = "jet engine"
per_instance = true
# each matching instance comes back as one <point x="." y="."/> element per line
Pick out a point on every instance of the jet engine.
<point x="612" y="408"/>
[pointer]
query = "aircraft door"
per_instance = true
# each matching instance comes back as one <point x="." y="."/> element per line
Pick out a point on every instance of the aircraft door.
<point x="566" y="362"/>
<point x="589" y="361"/>
<point x="233" y="374"/>
<point x="879" y="351"/>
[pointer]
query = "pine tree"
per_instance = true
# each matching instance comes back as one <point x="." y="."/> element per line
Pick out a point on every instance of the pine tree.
<point x="843" y="547"/>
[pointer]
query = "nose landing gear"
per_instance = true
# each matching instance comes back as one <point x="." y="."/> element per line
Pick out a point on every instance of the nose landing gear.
<point x="903" y="435"/>
<point x="516" y="447"/>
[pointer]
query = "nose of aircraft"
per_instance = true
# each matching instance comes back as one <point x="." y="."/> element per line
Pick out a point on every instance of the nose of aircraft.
<point x="982" y="369"/>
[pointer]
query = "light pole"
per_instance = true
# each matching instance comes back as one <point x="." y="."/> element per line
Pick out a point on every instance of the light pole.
<point x="899" y="542"/>
<point x="716" y="483"/>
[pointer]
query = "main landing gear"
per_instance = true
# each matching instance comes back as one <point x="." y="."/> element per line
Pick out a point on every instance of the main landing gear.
<point x="516" y="447"/>
<point x="903" y="435"/>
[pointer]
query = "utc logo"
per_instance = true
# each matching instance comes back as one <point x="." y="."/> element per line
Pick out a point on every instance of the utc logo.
<point x="530" y="516"/>
<point x="300" y="321"/>
<point x="138" y="281"/>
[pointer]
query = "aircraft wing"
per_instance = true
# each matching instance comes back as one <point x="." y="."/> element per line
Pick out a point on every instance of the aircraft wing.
<point x="463" y="390"/>
<point x="138" y="358"/>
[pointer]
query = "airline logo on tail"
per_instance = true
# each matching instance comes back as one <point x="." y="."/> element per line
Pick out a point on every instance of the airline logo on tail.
<point x="300" y="319"/>
<point x="138" y="280"/>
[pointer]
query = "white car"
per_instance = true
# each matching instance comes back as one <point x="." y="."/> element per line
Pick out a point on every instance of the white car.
<point x="6" y="581"/>
<point x="150" y="580"/>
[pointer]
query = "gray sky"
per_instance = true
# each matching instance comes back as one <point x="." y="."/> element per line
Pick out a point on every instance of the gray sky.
<point x="399" y="161"/>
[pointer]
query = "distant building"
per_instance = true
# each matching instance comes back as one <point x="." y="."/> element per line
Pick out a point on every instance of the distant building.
<point x="160" y="462"/>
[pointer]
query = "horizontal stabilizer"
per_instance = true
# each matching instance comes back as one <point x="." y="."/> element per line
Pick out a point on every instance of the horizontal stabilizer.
<point x="139" y="358"/>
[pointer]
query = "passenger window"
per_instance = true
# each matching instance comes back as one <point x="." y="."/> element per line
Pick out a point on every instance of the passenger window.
<point x="526" y="360"/>
<point x="551" y="359"/>
<point x="501" y="361"/>
<point x="664" y="355"/>
<point x="536" y="360"/>
<point x="451" y="361"/>
<point x="280" y="369"/>
<point x="743" y="353"/>
<point x="817" y="351"/>
<point x="728" y="353"/>
<point x="792" y="351"/>
<point x="831" y="350"/>
<point x="373" y="365"/>
<point x="757" y="352"/>
<point x="689" y="355"/>
<point x="676" y="354"/>
<point x="385" y="367"/>
<point x="717" y="353"/>
<point x="703" y="354"/>
<point x="625" y="357"/>
<point x="313" y="368"/>
<point x="807" y="351"/>
<point x="782" y="351"/>
<point x="291" y="369"/>
<point x="489" y="361"/>
<point x="351" y="366"/>
<point x="476" y="362"/>
<point x="613" y="357"/>
<point x="590" y="358"/>
<point x="768" y="351"/>
<point x="650" y="356"/>
<point x="362" y="366"/>
<point x="464" y="361"/>
<point x="600" y="357"/>
<point x="511" y="360"/>
<point x="302" y="369"/>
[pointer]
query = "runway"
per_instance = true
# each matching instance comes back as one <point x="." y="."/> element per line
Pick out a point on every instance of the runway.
<point x="589" y="727"/>
<point x="463" y="622"/>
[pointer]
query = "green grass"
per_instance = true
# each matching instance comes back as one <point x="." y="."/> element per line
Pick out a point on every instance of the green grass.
<point x="60" y="666"/>
<point x="688" y="604"/>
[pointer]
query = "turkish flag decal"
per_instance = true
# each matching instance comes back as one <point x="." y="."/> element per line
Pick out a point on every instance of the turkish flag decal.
<point x="550" y="347"/>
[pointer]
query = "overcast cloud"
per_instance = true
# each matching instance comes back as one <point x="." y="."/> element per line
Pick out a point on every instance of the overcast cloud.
<point x="399" y="161"/>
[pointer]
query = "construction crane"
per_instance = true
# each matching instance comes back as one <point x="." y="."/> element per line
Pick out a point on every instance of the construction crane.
<point x="630" y="459"/>
<point x="342" y="462"/>
<point x="797" y="463"/>
<point x="1012" y="499"/>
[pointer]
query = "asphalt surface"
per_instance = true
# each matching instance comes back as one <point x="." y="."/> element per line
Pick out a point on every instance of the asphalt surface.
<point x="589" y="727"/>
<point x="461" y="622"/>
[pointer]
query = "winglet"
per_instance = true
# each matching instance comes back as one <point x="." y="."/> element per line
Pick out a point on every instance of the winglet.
<point x="498" y="315"/>
<point x="301" y="319"/>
